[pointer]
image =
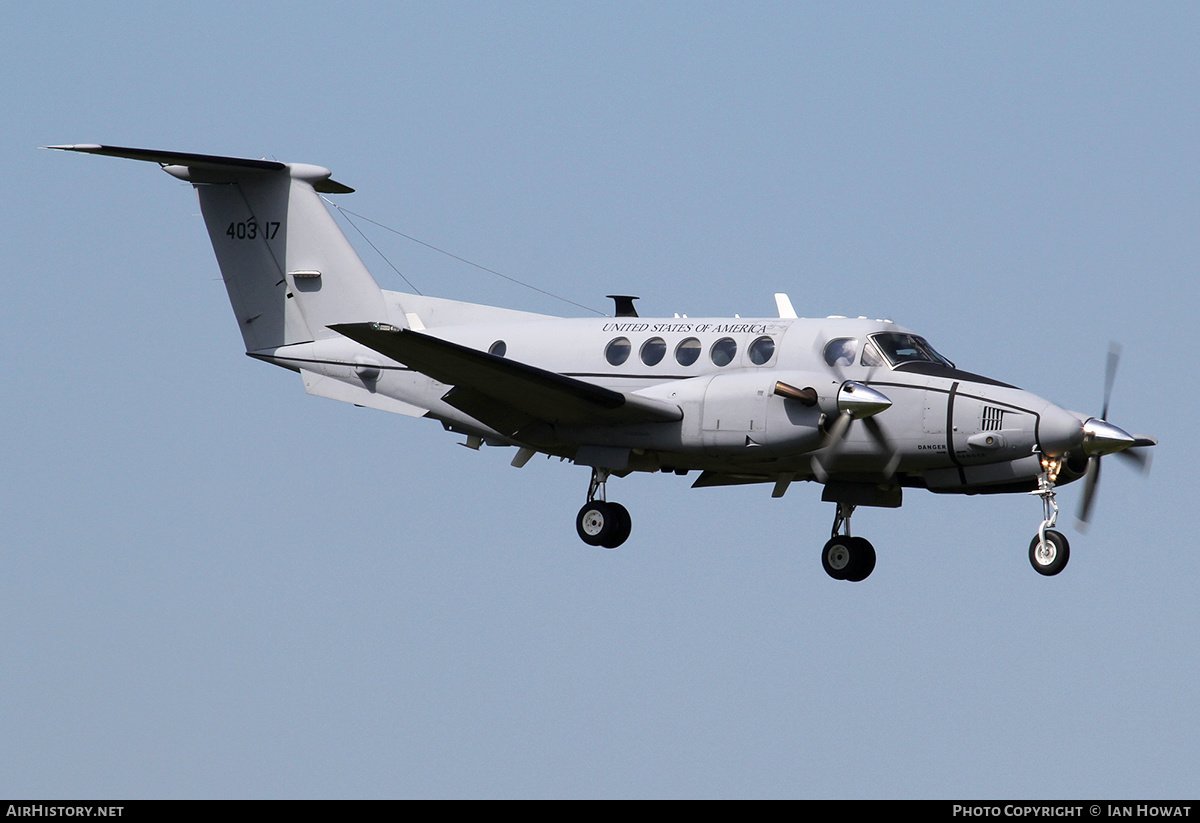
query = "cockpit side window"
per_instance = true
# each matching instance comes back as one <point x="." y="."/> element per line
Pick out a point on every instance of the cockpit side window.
<point x="899" y="347"/>
<point x="870" y="356"/>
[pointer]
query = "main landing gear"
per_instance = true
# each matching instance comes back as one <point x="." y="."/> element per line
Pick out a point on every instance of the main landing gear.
<point x="1049" y="551"/>
<point x="599" y="522"/>
<point x="845" y="557"/>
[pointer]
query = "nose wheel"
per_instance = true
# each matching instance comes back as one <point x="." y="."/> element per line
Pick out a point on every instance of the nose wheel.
<point x="600" y="523"/>
<point x="845" y="557"/>
<point x="1049" y="554"/>
<point x="1049" y="551"/>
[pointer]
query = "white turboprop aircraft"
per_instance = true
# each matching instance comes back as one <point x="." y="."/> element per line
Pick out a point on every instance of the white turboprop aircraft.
<point x="863" y="407"/>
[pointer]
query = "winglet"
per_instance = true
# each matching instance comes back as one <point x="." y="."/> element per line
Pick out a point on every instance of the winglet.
<point x="784" y="304"/>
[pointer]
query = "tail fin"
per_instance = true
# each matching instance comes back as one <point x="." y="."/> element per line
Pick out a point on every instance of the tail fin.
<point x="289" y="270"/>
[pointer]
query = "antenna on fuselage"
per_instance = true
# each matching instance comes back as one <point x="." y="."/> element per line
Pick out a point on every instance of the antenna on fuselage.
<point x="784" y="304"/>
<point x="624" y="305"/>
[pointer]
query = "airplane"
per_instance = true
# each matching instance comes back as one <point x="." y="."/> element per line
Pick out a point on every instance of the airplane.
<point x="865" y="408"/>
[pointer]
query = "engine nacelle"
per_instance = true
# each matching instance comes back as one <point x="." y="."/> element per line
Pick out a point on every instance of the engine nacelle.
<point x="749" y="409"/>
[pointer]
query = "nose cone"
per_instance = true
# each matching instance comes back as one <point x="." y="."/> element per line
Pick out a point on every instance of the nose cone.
<point x="1058" y="431"/>
<point x="861" y="401"/>
<point x="1102" y="437"/>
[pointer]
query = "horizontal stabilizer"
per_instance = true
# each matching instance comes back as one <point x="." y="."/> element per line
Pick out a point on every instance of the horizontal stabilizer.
<point x="518" y="388"/>
<point x="175" y="158"/>
<point x="205" y="162"/>
<point x="320" y="385"/>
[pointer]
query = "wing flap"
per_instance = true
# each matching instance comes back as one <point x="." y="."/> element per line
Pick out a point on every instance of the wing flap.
<point x="476" y="375"/>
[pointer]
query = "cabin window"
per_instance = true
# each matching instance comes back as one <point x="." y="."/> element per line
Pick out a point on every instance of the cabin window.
<point x="498" y="348"/>
<point x="723" y="351"/>
<point x="841" y="351"/>
<point x="761" y="350"/>
<point x="687" y="352"/>
<point x="653" y="351"/>
<point x="617" y="351"/>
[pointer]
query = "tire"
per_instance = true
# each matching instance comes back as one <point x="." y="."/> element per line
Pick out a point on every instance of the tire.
<point x="837" y="557"/>
<point x="1054" y="558"/>
<point x="597" y="523"/>
<point x="622" y="526"/>
<point x="862" y="560"/>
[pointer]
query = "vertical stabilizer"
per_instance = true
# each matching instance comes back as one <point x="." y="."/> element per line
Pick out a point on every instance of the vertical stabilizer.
<point x="289" y="270"/>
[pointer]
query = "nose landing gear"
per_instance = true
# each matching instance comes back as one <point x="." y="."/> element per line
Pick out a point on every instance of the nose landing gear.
<point x="600" y="523"/>
<point x="1049" y="551"/>
<point x="845" y="557"/>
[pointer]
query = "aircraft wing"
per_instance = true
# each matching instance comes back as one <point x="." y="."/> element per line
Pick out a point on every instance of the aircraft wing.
<point x="507" y="394"/>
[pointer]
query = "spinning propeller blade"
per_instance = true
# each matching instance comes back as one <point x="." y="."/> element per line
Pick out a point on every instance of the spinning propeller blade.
<point x="1101" y="438"/>
<point x="1090" y="480"/>
<point x="1110" y="375"/>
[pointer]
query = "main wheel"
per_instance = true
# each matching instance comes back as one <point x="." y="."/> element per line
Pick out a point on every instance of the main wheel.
<point x="848" y="558"/>
<point x="1049" y="558"/>
<point x="862" y="560"/>
<point x="595" y="523"/>
<point x="622" y="526"/>
<point x="603" y="524"/>
<point x="836" y="557"/>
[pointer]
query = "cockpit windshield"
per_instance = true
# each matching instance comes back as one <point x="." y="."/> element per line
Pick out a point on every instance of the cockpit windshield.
<point x="899" y="347"/>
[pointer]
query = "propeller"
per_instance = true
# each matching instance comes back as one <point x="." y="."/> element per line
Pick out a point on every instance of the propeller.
<point x="1101" y="438"/>
<point x="855" y="401"/>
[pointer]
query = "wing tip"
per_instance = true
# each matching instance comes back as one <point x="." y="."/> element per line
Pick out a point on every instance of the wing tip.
<point x="76" y="147"/>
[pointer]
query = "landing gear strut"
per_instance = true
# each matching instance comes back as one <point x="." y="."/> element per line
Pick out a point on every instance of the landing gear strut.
<point x="845" y="557"/>
<point x="1049" y="551"/>
<point x="599" y="522"/>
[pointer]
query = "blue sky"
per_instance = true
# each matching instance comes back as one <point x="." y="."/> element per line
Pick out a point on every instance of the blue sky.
<point x="217" y="586"/>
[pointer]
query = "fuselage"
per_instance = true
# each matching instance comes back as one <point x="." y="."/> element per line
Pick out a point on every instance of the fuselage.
<point x="945" y="429"/>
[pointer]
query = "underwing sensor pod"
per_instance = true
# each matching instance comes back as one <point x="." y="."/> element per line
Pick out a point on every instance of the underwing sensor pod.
<point x="862" y="407"/>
